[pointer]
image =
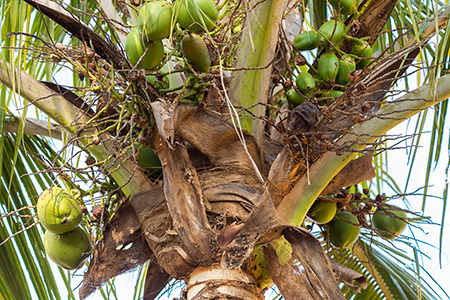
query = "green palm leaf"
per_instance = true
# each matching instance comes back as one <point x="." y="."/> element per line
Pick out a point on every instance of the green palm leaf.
<point x="390" y="272"/>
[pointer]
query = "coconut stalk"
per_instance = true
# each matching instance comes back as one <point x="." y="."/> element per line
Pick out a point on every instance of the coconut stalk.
<point x="296" y="204"/>
<point x="255" y="56"/>
<point x="72" y="119"/>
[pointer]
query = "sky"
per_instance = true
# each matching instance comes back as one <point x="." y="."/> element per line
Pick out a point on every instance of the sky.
<point x="399" y="165"/>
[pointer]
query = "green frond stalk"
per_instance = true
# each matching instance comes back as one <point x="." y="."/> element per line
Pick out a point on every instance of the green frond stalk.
<point x="255" y="56"/>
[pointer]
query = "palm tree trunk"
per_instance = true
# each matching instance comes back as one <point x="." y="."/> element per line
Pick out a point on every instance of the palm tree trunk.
<point x="214" y="282"/>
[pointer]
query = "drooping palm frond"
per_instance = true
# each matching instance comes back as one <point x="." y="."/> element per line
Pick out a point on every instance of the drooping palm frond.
<point x="419" y="18"/>
<point x="398" y="269"/>
<point x="391" y="272"/>
<point x="26" y="36"/>
<point x="390" y="268"/>
<point x="373" y="290"/>
<point x="30" y="48"/>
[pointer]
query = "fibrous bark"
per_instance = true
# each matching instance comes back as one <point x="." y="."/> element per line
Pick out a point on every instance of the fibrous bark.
<point x="109" y="259"/>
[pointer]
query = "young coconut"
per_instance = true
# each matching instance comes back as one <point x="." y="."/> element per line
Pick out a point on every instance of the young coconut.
<point x="389" y="223"/>
<point x="343" y="231"/>
<point x="196" y="15"/>
<point x="149" y="161"/>
<point x="58" y="211"/>
<point x="135" y="47"/>
<point x="363" y="50"/>
<point x="154" y="20"/>
<point x="346" y="66"/>
<point x="322" y="212"/>
<point x="328" y="67"/>
<point x="195" y="51"/>
<point x="327" y="97"/>
<point x="305" y="82"/>
<point x="330" y="32"/>
<point x="69" y="249"/>
<point x="306" y="41"/>
<point x="345" y="7"/>
<point x="294" y="98"/>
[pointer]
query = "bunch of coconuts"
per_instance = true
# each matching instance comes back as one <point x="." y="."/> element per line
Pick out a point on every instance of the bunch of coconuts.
<point x="145" y="50"/>
<point x="343" y="227"/>
<point x="156" y="21"/>
<point x="65" y="242"/>
<point x="333" y="66"/>
<point x="325" y="82"/>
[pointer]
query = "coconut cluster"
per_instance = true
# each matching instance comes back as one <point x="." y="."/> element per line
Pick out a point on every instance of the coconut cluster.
<point x="325" y="80"/>
<point x="65" y="242"/>
<point x="158" y="19"/>
<point x="342" y="223"/>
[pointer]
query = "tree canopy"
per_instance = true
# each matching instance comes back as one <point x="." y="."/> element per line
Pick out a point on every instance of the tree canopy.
<point x="232" y="146"/>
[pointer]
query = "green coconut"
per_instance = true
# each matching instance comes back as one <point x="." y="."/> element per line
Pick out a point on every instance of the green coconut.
<point x="328" y="67"/>
<point x="343" y="231"/>
<point x="306" y="41"/>
<point x="346" y="66"/>
<point x="196" y="15"/>
<point x="149" y="161"/>
<point x="365" y="51"/>
<point x="58" y="211"/>
<point x="389" y="223"/>
<point x="294" y="98"/>
<point x="327" y="97"/>
<point x="330" y="32"/>
<point x="305" y="82"/>
<point x="331" y="93"/>
<point x="69" y="249"/>
<point x="154" y="20"/>
<point x="344" y="6"/>
<point x="135" y="47"/>
<point x="322" y="212"/>
<point x="195" y="51"/>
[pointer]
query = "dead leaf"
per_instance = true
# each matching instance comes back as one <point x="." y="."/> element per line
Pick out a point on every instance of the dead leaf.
<point x="315" y="262"/>
<point x="354" y="172"/>
<point x="108" y="260"/>
<point x="163" y="114"/>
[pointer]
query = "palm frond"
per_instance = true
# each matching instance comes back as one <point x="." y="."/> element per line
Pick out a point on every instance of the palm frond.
<point x="390" y="272"/>
<point x="398" y="270"/>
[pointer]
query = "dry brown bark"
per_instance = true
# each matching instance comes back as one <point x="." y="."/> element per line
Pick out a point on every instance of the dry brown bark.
<point x="180" y="244"/>
<point x="108" y="260"/>
<point x="361" y="98"/>
<point x="228" y="185"/>
<point x="290" y="278"/>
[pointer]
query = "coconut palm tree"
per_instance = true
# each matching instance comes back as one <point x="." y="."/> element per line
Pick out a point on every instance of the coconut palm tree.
<point x="204" y="167"/>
